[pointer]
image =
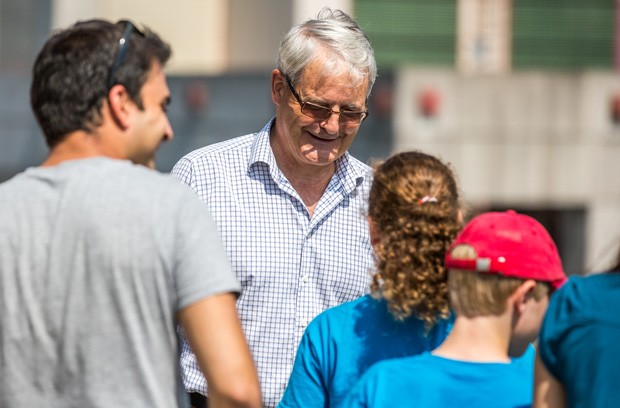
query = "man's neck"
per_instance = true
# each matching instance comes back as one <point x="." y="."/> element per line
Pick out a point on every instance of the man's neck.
<point x="309" y="181"/>
<point x="78" y="145"/>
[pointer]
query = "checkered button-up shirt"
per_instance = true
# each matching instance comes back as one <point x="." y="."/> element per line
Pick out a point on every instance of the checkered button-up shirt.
<point x="290" y="266"/>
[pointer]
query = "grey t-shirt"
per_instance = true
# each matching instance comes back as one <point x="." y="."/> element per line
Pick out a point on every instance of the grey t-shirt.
<point x="97" y="257"/>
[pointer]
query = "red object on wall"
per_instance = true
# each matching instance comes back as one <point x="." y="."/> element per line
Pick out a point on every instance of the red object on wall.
<point x="614" y="108"/>
<point x="196" y="96"/>
<point x="429" y="102"/>
<point x="382" y="101"/>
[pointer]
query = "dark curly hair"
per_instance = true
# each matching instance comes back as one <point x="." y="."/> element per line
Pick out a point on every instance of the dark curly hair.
<point x="415" y="233"/>
<point x="70" y="74"/>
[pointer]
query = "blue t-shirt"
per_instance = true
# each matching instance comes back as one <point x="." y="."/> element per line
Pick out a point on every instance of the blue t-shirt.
<point x="426" y="381"/>
<point x="342" y="342"/>
<point x="580" y="340"/>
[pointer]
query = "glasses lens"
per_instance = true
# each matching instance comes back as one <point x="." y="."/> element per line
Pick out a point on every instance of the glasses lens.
<point x="352" y="117"/>
<point x="315" y="111"/>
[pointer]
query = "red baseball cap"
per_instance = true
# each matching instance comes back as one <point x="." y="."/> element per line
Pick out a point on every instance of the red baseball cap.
<point x="509" y="244"/>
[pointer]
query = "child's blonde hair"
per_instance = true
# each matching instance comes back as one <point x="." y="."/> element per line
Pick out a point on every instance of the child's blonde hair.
<point x="474" y="294"/>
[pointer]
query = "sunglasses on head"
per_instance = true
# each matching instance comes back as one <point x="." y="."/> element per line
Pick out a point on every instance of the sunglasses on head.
<point x="123" y="45"/>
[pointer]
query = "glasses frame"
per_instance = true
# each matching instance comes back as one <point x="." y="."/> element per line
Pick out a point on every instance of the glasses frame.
<point x="123" y="45"/>
<point x="303" y="104"/>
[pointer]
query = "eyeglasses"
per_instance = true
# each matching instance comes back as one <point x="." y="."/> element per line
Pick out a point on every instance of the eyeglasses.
<point x="123" y="45"/>
<point x="323" y="113"/>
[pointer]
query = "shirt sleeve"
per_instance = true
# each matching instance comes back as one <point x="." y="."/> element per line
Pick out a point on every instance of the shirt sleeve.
<point x="552" y="331"/>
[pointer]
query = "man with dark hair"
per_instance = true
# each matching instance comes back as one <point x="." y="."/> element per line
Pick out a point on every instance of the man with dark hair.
<point x="100" y="256"/>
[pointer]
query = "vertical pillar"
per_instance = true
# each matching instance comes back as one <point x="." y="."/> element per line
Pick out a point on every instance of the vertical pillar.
<point x="617" y="37"/>
<point x="484" y="36"/>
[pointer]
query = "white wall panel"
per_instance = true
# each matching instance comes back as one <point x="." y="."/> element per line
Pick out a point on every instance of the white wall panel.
<point x="532" y="139"/>
<point x="197" y="30"/>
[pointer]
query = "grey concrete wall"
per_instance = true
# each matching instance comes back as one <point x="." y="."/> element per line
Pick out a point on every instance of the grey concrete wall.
<point x="528" y="140"/>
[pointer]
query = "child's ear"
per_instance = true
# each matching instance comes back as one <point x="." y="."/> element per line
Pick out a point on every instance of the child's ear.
<point x="523" y="294"/>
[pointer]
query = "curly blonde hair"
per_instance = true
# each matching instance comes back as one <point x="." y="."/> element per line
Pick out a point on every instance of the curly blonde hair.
<point x="414" y="206"/>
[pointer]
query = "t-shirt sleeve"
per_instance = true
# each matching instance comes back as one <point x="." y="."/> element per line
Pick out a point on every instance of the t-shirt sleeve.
<point x="557" y="321"/>
<point x="306" y="386"/>
<point x="201" y="266"/>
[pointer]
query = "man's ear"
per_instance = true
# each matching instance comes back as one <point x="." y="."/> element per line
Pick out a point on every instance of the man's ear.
<point x="278" y="85"/>
<point x="118" y="104"/>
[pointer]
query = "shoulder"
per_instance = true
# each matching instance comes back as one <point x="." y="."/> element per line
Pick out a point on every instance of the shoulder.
<point x="566" y="295"/>
<point x="337" y="324"/>
<point x="395" y="364"/>
<point x="14" y="192"/>
<point x="205" y="163"/>
<point x="396" y="371"/>
<point x="582" y="296"/>
<point x="579" y="302"/>
<point x="150" y="181"/>
<point x="14" y="183"/>
<point x="341" y="315"/>
<point x="232" y="147"/>
<point x="149" y="190"/>
<point x="391" y="383"/>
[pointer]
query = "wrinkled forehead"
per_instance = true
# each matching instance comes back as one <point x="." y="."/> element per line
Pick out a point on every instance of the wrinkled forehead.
<point x="322" y="72"/>
<point x="327" y="62"/>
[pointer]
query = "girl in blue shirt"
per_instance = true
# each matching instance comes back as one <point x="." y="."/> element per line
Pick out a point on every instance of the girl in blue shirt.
<point x="413" y="216"/>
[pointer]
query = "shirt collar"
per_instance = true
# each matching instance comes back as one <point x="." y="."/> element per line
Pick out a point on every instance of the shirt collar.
<point x="261" y="149"/>
<point x="347" y="175"/>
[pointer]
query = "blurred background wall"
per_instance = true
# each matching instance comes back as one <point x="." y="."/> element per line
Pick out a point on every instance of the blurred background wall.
<point x="521" y="97"/>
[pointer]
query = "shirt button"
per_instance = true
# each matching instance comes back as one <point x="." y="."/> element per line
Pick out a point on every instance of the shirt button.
<point x="304" y="278"/>
<point x="303" y="323"/>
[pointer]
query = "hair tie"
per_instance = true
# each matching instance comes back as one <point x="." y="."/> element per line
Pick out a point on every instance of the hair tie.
<point x="427" y="199"/>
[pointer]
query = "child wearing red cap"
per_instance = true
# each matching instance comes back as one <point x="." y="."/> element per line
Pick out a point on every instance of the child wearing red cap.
<point x="501" y="269"/>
